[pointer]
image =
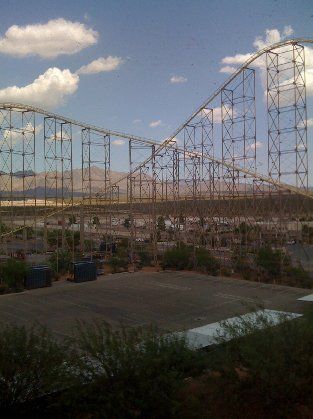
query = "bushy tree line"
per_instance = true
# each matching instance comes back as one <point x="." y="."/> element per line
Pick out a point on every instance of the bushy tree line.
<point x="185" y="257"/>
<point x="97" y="372"/>
<point x="270" y="265"/>
<point x="256" y="369"/>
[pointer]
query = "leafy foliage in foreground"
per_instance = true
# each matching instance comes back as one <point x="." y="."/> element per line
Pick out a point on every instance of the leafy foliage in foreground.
<point x="265" y="370"/>
<point x="130" y="372"/>
<point x="271" y="365"/>
<point x="32" y="363"/>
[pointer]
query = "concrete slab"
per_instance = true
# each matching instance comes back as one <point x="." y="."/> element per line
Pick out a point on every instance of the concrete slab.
<point x="175" y="301"/>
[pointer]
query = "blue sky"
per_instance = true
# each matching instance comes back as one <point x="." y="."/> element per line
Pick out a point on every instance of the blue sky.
<point x="156" y="41"/>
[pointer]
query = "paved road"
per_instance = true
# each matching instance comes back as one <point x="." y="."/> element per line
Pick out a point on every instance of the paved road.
<point x="173" y="300"/>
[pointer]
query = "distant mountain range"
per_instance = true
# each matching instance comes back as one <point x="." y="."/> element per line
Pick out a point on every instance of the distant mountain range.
<point x="97" y="176"/>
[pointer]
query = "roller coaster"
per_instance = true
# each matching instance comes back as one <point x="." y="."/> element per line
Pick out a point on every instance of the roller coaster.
<point x="235" y="174"/>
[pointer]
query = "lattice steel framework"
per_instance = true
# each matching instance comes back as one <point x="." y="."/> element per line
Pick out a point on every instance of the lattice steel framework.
<point x="17" y="173"/>
<point x="95" y="214"/>
<point x="141" y="200"/>
<point x="203" y="186"/>
<point x="169" y="213"/>
<point x="58" y="181"/>
<point x="238" y="146"/>
<point x="287" y="127"/>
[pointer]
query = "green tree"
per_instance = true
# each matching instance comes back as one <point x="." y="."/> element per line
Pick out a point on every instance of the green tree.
<point x="72" y="238"/>
<point x="13" y="273"/>
<point x="32" y="364"/>
<point x="3" y="228"/>
<point x="177" y="258"/>
<point x="29" y="232"/>
<point x="271" y="261"/>
<point x="268" y="364"/>
<point x="130" y="373"/>
<point x="161" y="223"/>
<point x="126" y="223"/>
<point x="205" y="261"/>
<point x="54" y="237"/>
<point x="71" y="219"/>
<point x="96" y="221"/>
<point x="60" y="262"/>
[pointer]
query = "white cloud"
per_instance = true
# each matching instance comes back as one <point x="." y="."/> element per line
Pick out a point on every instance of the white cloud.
<point x="256" y="145"/>
<point x="155" y="124"/>
<point x="236" y="59"/>
<point x="137" y="121"/>
<point x="16" y="135"/>
<point x="310" y="122"/>
<point x="178" y="79"/>
<point x="228" y="69"/>
<point x="48" y="90"/>
<point x="118" y="142"/>
<point x="48" y="40"/>
<point x="217" y="113"/>
<point x="271" y="36"/>
<point x="288" y="31"/>
<point x="101" y="65"/>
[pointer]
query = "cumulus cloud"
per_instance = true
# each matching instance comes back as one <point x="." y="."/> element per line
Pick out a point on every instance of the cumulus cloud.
<point x="288" y="31"/>
<point x="178" y="79"/>
<point x="217" y="113"/>
<point x="310" y="122"/>
<point x="48" y="40"/>
<point x="237" y="59"/>
<point x="155" y="124"/>
<point x="228" y="69"/>
<point x="14" y="136"/>
<point x="256" y="145"/>
<point x="48" y="90"/>
<point x="270" y="37"/>
<point x="101" y="65"/>
<point x="118" y="142"/>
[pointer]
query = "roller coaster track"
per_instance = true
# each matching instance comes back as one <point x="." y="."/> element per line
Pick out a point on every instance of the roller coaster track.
<point x="168" y="143"/>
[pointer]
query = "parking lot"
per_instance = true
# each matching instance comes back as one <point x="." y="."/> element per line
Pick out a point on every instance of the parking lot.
<point x="172" y="300"/>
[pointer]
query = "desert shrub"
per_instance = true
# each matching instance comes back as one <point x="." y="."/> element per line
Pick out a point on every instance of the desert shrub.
<point x="60" y="262"/>
<point x="299" y="277"/>
<point x="118" y="263"/>
<point x="13" y="273"/>
<point x="206" y="262"/>
<point x="32" y="364"/>
<point x="130" y="372"/>
<point x="271" y="261"/>
<point x="177" y="258"/>
<point x="145" y="259"/>
<point x="4" y="288"/>
<point x="241" y="264"/>
<point x="225" y="271"/>
<point x="270" y="366"/>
